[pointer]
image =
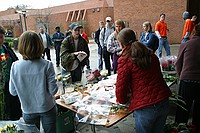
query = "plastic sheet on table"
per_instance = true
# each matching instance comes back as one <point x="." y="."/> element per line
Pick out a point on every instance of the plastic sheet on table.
<point x="93" y="114"/>
<point x="92" y="110"/>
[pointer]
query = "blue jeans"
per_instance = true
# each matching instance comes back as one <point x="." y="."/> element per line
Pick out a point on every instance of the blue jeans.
<point x="100" y="58"/>
<point x="163" y="42"/>
<point x="151" y="119"/>
<point x="48" y="120"/>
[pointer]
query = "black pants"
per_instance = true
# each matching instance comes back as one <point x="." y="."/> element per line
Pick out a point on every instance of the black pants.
<point x="13" y="106"/>
<point x="106" y="56"/>
<point x="47" y="52"/>
<point x="190" y="92"/>
<point x="57" y="48"/>
<point x="76" y="74"/>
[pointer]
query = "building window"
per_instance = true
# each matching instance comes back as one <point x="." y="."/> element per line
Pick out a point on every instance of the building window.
<point x="98" y="9"/>
<point x="93" y="10"/>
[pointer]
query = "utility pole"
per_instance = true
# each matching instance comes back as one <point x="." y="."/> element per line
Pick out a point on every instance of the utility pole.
<point x="22" y="12"/>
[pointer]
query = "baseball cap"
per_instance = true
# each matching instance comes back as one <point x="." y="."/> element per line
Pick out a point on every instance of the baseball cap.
<point x="108" y="18"/>
<point x="74" y="26"/>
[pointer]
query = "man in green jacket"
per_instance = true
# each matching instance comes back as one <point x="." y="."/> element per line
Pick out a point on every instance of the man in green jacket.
<point x="74" y="53"/>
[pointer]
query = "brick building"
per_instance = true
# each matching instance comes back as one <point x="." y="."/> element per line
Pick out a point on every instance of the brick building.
<point x="135" y="12"/>
<point x="90" y="12"/>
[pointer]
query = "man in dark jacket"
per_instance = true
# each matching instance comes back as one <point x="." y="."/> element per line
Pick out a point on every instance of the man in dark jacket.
<point x="46" y="39"/>
<point x="57" y="38"/>
<point x="73" y="47"/>
<point x="96" y="38"/>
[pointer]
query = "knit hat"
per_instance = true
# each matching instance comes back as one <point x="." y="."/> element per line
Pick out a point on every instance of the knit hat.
<point x="186" y="15"/>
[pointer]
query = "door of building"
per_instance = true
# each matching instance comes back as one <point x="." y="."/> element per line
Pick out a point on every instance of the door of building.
<point x="193" y="6"/>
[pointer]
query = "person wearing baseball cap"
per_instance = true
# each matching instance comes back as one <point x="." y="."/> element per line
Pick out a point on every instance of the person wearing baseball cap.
<point x="108" y="19"/>
<point x="74" y="46"/>
<point x="103" y="37"/>
<point x="57" y="38"/>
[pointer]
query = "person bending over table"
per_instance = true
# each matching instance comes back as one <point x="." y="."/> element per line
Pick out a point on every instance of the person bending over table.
<point x="140" y="81"/>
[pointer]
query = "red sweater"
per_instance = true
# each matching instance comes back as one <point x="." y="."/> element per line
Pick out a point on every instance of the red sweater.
<point x="143" y="87"/>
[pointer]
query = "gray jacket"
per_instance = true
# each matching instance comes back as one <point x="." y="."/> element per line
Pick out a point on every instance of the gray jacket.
<point x="104" y="34"/>
<point x="35" y="84"/>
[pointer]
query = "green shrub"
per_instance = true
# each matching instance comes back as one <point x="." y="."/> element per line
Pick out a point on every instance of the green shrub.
<point x="9" y="40"/>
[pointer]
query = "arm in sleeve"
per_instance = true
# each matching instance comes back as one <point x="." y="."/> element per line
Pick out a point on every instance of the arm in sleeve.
<point x="179" y="62"/>
<point x="158" y="34"/>
<point x="66" y="54"/>
<point x="62" y="36"/>
<point x="157" y="28"/>
<point x="101" y="38"/>
<point x="142" y="39"/>
<point x="54" y="38"/>
<point x="151" y="40"/>
<point x="123" y="81"/>
<point x="96" y="37"/>
<point x="111" y="44"/>
<point x="49" y="40"/>
<point x="12" y="89"/>
<point x="187" y="34"/>
<point x="51" y="80"/>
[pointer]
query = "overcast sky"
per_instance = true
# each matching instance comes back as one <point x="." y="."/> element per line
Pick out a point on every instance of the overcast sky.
<point x="36" y="4"/>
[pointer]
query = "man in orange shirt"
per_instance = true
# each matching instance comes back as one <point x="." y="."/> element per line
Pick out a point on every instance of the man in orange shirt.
<point x="188" y="27"/>
<point x="161" y="32"/>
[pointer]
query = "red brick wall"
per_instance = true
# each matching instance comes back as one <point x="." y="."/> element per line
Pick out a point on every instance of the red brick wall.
<point x="58" y="20"/>
<point x="7" y="12"/>
<point x="93" y="18"/>
<point x="138" y="11"/>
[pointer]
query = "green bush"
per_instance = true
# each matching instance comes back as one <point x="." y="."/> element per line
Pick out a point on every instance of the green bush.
<point x="9" y="40"/>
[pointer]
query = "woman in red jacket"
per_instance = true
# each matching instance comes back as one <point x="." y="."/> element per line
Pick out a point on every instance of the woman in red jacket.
<point x="140" y="81"/>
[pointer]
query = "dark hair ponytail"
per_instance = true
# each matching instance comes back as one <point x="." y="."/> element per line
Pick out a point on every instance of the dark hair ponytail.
<point x="141" y="55"/>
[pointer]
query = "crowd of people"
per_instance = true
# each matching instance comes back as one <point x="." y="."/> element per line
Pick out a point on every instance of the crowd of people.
<point x="139" y="77"/>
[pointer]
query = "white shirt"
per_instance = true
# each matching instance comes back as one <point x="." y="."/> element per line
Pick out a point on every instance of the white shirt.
<point x="44" y="39"/>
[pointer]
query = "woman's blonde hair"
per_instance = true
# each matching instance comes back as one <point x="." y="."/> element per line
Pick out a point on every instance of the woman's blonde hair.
<point x="30" y="46"/>
<point x="148" y="24"/>
<point x="120" y="22"/>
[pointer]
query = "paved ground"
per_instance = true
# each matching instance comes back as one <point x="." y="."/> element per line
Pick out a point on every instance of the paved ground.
<point x="127" y="124"/>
